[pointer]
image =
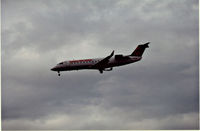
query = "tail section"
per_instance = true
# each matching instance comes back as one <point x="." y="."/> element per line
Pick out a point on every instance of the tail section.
<point x="140" y="49"/>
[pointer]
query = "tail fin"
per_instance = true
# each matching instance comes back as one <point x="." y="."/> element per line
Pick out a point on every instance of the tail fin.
<point x="140" y="49"/>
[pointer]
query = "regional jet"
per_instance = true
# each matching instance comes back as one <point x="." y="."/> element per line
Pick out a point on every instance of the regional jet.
<point x="102" y="64"/>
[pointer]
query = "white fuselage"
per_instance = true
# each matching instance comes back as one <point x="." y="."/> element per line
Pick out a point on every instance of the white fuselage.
<point x="89" y="63"/>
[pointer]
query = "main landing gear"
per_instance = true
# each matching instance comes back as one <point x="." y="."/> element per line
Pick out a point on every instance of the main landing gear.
<point x="58" y="73"/>
<point x="101" y="71"/>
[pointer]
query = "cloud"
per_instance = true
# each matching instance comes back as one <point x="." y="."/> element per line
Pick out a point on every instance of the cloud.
<point x="159" y="92"/>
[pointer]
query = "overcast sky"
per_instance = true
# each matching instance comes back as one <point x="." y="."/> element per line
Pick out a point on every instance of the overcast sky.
<point x="158" y="92"/>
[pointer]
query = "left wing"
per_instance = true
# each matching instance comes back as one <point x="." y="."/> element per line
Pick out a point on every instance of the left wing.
<point x="101" y="64"/>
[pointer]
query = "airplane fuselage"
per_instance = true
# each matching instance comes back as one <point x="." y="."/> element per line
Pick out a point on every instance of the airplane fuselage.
<point x="102" y="64"/>
<point x="89" y="63"/>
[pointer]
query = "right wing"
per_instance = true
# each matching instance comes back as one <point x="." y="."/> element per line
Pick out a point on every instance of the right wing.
<point x="101" y="64"/>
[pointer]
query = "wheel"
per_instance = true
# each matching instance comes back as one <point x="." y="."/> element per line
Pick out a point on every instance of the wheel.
<point x="101" y="71"/>
<point x="59" y="74"/>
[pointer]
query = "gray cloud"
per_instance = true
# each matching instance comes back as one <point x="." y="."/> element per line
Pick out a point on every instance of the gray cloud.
<point x="159" y="92"/>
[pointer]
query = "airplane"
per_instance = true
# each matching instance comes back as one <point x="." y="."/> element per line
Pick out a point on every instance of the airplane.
<point x="102" y="64"/>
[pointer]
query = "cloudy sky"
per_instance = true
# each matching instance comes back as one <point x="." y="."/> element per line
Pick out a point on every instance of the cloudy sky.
<point x="159" y="92"/>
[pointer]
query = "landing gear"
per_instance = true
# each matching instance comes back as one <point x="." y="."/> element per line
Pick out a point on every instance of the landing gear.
<point x="58" y="73"/>
<point x="101" y="71"/>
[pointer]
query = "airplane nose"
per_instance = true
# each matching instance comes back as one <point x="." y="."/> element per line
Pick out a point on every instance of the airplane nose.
<point x="53" y="69"/>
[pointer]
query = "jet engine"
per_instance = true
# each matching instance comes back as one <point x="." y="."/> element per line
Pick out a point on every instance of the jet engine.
<point x="119" y="57"/>
<point x="108" y="69"/>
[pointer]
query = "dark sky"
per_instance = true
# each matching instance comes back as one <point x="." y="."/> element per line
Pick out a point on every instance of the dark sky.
<point x="159" y="92"/>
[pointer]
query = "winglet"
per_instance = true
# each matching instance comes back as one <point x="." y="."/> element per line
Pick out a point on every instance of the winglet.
<point x="112" y="53"/>
<point x="108" y="57"/>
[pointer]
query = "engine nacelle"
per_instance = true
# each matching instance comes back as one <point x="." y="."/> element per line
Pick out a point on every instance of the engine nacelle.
<point x="108" y="69"/>
<point x="119" y="57"/>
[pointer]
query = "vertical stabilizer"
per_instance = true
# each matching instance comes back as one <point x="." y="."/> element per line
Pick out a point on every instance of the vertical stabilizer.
<point x="140" y="49"/>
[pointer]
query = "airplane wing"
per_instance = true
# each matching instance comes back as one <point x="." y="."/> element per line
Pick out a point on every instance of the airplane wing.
<point x="102" y="63"/>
